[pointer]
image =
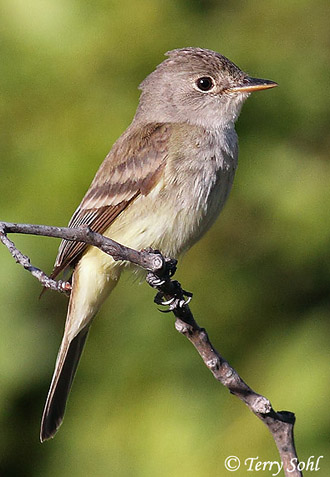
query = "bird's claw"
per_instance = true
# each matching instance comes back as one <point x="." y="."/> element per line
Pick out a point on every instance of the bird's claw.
<point x="174" y="302"/>
<point x="167" y="302"/>
<point x="154" y="281"/>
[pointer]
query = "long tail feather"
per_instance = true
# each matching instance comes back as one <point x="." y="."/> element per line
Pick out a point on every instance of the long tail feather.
<point x="66" y="366"/>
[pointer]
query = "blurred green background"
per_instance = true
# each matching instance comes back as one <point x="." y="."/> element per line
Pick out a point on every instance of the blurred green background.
<point x="143" y="403"/>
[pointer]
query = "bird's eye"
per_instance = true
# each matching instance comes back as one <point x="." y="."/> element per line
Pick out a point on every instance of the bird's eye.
<point x="205" y="83"/>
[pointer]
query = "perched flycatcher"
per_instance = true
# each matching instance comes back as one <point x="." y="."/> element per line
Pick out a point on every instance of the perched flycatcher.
<point x="162" y="185"/>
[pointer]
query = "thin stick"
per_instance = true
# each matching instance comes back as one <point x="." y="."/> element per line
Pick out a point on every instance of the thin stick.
<point x="160" y="270"/>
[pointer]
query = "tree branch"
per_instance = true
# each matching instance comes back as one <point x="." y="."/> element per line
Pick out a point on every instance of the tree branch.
<point x="160" y="270"/>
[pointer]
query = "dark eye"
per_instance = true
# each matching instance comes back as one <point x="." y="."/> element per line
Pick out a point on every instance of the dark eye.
<point x="205" y="83"/>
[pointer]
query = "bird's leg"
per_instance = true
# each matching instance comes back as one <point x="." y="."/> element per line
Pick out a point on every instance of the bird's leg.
<point x="178" y="297"/>
<point x="170" y="292"/>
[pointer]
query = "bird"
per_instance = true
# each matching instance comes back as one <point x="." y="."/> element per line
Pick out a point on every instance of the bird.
<point x="162" y="185"/>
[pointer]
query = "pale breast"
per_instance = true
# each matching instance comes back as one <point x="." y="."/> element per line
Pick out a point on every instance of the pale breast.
<point x="184" y="204"/>
<point x="201" y="180"/>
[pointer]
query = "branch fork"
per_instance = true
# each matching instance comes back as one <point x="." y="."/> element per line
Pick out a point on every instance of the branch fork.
<point x="169" y="293"/>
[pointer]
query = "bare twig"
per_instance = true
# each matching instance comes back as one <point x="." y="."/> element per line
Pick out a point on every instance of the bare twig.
<point x="57" y="285"/>
<point x="280" y="424"/>
<point x="149" y="260"/>
<point x="161" y="269"/>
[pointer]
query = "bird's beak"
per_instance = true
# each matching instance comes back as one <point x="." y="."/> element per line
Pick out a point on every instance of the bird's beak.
<point x="249" y="84"/>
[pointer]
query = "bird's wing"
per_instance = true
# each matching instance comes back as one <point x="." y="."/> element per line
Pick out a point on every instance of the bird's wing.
<point x="132" y="168"/>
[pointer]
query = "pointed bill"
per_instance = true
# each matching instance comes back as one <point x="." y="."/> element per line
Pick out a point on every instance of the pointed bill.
<point x="248" y="85"/>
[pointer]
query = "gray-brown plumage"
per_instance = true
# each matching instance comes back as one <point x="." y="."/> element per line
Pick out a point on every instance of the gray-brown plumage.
<point x="136" y="172"/>
<point x="162" y="185"/>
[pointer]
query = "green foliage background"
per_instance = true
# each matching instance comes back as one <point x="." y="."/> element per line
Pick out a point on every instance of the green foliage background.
<point x="143" y="404"/>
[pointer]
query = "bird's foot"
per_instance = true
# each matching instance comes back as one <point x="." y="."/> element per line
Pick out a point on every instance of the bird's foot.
<point x="179" y="299"/>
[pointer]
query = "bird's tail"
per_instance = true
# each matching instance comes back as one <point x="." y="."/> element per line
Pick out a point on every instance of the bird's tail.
<point x="65" y="369"/>
<point x="93" y="279"/>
